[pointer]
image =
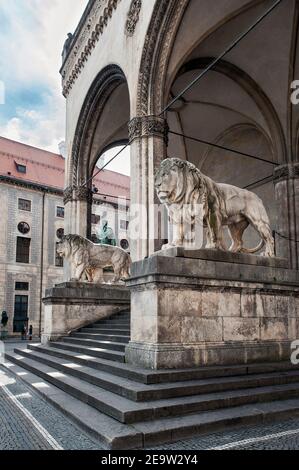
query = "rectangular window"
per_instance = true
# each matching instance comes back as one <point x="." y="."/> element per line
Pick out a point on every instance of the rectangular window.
<point x="23" y="250"/>
<point x="124" y="224"/>
<point x="58" y="259"/>
<point x="95" y="219"/>
<point x="24" y="205"/>
<point x="60" y="212"/>
<point x="22" y="286"/>
<point x="21" y="168"/>
<point x="20" y="313"/>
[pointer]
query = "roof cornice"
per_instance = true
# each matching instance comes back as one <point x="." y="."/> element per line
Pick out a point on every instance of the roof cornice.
<point x="30" y="185"/>
<point x="92" y="24"/>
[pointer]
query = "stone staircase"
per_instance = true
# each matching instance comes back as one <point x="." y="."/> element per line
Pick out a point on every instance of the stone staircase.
<point x="85" y="376"/>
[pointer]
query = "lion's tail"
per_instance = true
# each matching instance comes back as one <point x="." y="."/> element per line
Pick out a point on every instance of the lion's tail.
<point x="253" y="250"/>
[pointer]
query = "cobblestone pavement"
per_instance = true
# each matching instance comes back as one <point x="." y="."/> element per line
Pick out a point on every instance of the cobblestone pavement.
<point x="28" y="422"/>
<point x="276" y="436"/>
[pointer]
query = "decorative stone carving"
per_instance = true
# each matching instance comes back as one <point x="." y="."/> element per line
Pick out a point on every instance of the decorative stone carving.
<point x="135" y="128"/>
<point x="82" y="193"/>
<point x="85" y="40"/>
<point x="77" y="193"/>
<point x="133" y="17"/>
<point x="87" y="259"/>
<point x="190" y="195"/>
<point x="162" y="31"/>
<point x="146" y="126"/>
<point x="282" y="172"/>
<point x="103" y="85"/>
<point x="68" y="195"/>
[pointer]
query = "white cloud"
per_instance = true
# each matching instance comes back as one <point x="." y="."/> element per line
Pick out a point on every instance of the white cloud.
<point x="42" y="128"/>
<point x="32" y="34"/>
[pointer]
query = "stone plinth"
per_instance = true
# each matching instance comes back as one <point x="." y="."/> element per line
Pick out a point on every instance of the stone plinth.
<point x="192" y="308"/>
<point x="72" y="305"/>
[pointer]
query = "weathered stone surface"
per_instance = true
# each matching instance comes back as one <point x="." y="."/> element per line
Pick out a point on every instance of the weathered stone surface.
<point x="192" y="316"/>
<point x="184" y="302"/>
<point x="221" y="303"/>
<point x="248" y="304"/>
<point x="240" y="329"/>
<point x="195" y="330"/>
<point x="274" y="328"/>
<point x="70" y="306"/>
<point x="266" y="305"/>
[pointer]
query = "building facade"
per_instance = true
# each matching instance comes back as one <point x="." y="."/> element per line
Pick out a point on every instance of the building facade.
<point x="32" y="213"/>
<point x="241" y="109"/>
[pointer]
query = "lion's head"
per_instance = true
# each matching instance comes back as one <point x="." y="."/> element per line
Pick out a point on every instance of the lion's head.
<point x="69" y="245"/>
<point x="176" y="180"/>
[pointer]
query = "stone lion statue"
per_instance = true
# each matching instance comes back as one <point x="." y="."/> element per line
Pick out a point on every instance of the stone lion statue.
<point x="182" y="187"/>
<point x="87" y="259"/>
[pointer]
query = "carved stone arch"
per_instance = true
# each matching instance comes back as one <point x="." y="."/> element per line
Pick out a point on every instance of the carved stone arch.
<point x="256" y="93"/>
<point x="160" y="38"/>
<point x="244" y="126"/>
<point x="161" y="33"/>
<point x="100" y="91"/>
<point x="116" y="143"/>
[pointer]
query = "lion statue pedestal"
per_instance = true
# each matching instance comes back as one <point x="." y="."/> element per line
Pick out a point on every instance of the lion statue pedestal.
<point x="192" y="308"/>
<point x="73" y="305"/>
<point x="213" y="306"/>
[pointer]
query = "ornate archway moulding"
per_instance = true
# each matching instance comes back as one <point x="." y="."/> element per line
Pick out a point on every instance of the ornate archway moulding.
<point x="104" y="84"/>
<point x="159" y="40"/>
<point x="85" y="40"/>
<point x="133" y="17"/>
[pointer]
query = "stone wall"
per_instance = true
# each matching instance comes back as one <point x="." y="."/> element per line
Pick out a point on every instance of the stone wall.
<point x="196" y="311"/>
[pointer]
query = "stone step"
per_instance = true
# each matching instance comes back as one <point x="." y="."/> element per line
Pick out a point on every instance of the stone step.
<point x="127" y="411"/>
<point x="141" y="392"/>
<point x="95" y="343"/>
<point x="91" y="351"/>
<point x="113" y="338"/>
<point x="109" y="432"/>
<point x="111" y="330"/>
<point x="147" y="376"/>
<point x="99" y="331"/>
<point x="144" y="434"/>
<point x="112" y="321"/>
<point x="118" y="369"/>
<point x="166" y="430"/>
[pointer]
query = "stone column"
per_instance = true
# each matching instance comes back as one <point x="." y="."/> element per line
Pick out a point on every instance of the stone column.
<point x="77" y="205"/>
<point x="148" y="136"/>
<point x="286" y="180"/>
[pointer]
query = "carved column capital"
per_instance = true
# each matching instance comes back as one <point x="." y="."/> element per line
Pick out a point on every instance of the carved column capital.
<point x="81" y="193"/>
<point x="68" y="195"/>
<point x="146" y="126"/>
<point x="288" y="171"/>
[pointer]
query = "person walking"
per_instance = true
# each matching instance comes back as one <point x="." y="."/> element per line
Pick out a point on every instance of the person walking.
<point x="30" y="332"/>
<point x="24" y="332"/>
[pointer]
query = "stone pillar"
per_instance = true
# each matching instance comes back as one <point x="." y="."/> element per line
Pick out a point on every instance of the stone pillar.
<point x="77" y="205"/>
<point x="286" y="180"/>
<point x="148" y="136"/>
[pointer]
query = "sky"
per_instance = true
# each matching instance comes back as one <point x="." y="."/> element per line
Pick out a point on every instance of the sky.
<point x="32" y="34"/>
